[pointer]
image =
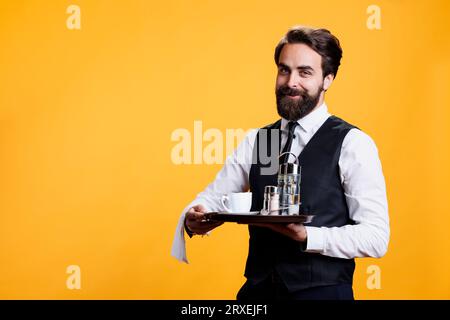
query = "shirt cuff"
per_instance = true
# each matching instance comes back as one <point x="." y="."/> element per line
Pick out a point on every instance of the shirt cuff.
<point x="315" y="240"/>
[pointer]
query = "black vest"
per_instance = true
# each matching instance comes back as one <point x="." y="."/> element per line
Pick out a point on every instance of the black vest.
<point x="321" y="195"/>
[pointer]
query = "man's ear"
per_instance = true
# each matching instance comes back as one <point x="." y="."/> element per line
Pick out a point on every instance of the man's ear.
<point x="327" y="81"/>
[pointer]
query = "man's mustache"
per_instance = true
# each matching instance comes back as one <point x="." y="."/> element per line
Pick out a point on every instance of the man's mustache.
<point x="286" y="91"/>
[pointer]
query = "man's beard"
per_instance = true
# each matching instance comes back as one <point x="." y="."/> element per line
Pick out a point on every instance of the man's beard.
<point x="294" y="109"/>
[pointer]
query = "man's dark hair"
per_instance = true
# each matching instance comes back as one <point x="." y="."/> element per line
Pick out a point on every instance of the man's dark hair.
<point x="321" y="41"/>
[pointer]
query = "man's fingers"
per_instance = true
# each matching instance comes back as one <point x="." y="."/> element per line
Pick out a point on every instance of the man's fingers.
<point x="198" y="215"/>
<point x="203" y="227"/>
<point x="196" y="221"/>
<point x="206" y="224"/>
<point x="195" y="215"/>
<point x="210" y="223"/>
<point x="294" y="226"/>
<point x="200" y="208"/>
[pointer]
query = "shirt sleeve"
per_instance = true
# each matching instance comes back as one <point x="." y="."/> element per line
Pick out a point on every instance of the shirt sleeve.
<point x="233" y="177"/>
<point x="365" y="193"/>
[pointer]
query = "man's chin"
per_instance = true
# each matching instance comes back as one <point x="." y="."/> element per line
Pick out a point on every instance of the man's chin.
<point x="290" y="116"/>
<point x="294" y="114"/>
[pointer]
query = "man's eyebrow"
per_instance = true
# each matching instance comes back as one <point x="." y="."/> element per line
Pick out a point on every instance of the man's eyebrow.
<point x="282" y="65"/>
<point x="301" y="68"/>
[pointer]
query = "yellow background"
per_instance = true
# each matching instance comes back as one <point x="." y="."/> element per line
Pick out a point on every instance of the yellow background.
<point x="86" y="118"/>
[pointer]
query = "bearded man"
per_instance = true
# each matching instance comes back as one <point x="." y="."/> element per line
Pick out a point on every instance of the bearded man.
<point x="342" y="185"/>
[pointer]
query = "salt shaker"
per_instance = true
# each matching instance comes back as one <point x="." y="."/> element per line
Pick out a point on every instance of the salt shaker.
<point x="271" y="200"/>
<point x="274" y="203"/>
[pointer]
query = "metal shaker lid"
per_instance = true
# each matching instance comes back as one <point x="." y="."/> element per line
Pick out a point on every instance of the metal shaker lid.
<point x="270" y="189"/>
<point x="289" y="168"/>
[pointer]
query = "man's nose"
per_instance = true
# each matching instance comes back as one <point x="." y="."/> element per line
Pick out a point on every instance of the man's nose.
<point x="293" y="81"/>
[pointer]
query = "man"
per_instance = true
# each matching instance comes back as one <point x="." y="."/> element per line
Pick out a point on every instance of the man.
<point x="342" y="185"/>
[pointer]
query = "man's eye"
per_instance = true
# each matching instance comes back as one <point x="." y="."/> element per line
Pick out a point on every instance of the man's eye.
<point x="305" y="73"/>
<point x="284" y="70"/>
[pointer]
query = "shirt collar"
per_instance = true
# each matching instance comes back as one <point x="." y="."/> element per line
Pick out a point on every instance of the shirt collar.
<point x="311" y="120"/>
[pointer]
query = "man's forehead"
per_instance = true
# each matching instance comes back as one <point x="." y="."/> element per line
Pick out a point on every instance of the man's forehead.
<point x="296" y="54"/>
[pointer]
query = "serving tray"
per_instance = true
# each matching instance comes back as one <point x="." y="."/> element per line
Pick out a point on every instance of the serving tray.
<point x="256" y="217"/>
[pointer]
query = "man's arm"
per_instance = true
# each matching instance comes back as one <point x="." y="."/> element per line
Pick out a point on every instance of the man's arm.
<point x="233" y="177"/>
<point x="365" y="193"/>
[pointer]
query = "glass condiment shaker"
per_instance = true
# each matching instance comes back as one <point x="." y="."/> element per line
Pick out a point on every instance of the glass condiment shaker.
<point x="289" y="176"/>
<point x="271" y="200"/>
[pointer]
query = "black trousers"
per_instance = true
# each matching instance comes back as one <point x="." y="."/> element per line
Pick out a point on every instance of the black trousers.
<point x="273" y="288"/>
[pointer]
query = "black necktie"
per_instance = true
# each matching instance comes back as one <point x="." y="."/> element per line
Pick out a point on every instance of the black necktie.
<point x="287" y="147"/>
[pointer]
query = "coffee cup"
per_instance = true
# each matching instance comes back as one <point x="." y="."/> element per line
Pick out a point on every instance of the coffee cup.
<point x="237" y="202"/>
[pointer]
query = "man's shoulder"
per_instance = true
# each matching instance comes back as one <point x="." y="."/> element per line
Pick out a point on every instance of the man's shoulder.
<point x="357" y="140"/>
<point x="354" y="138"/>
<point x="340" y="123"/>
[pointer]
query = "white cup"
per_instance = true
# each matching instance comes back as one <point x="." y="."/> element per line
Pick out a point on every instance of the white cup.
<point x="240" y="202"/>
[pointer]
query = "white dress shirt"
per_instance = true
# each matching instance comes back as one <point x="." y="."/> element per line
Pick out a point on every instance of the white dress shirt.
<point x="361" y="177"/>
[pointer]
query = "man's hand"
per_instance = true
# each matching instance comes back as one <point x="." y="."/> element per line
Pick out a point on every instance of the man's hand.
<point x="294" y="231"/>
<point x="196" y="223"/>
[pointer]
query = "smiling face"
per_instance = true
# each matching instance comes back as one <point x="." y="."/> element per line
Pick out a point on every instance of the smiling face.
<point x="300" y="83"/>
